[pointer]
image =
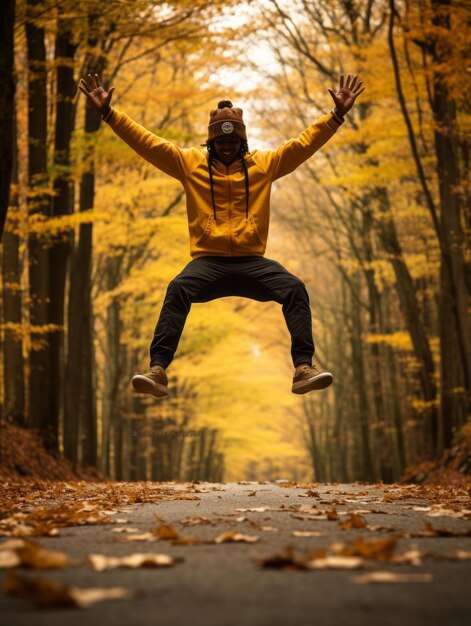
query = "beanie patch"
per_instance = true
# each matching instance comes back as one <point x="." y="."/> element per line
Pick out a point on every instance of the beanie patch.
<point x="227" y="128"/>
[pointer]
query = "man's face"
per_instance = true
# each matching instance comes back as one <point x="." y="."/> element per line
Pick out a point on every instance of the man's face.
<point x="227" y="148"/>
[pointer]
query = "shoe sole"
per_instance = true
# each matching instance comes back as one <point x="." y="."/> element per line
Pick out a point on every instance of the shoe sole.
<point x="142" y="384"/>
<point x="321" y="381"/>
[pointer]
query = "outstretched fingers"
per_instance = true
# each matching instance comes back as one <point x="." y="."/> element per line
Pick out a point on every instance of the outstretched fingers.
<point x="84" y="85"/>
<point x="84" y="90"/>
<point x="92" y="81"/>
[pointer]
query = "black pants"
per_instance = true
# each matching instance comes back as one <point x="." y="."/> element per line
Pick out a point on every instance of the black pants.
<point x="255" y="277"/>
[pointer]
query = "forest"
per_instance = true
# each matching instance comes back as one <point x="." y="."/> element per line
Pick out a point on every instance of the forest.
<point x="377" y="224"/>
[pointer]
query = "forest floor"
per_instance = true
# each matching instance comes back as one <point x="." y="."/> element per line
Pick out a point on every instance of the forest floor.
<point x="256" y="553"/>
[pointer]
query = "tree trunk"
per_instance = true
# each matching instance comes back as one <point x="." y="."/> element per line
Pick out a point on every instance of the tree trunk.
<point x="455" y="327"/>
<point x="14" y="389"/>
<point x="7" y="98"/>
<point x="62" y="204"/>
<point x="40" y="383"/>
<point x="365" y="469"/>
<point x="410" y="310"/>
<point x="112" y="370"/>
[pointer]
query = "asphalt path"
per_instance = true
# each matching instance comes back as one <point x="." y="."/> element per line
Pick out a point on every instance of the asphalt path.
<point x="225" y="584"/>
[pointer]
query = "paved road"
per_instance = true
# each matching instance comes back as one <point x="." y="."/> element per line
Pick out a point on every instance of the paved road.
<point x="222" y="584"/>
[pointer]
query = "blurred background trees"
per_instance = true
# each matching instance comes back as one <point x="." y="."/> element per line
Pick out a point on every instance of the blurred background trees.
<point x="377" y="224"/>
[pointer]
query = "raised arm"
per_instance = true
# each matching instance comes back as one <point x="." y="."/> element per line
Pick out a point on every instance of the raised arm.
<point x="287" y="157"/>
<point x="161" y="153"/>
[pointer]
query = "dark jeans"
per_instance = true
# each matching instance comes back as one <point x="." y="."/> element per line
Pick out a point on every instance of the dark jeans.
<point x="255" y="277"/>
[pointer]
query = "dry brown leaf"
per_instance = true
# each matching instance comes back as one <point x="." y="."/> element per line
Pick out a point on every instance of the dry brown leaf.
<point x="307" y="517"/>
<point x="447" y="510"/>
<point x="332" y="514"/>
<point x="409" y="557"/>
<point x="392" y="577"/>
<point x="193" y="521"/>
<point x="148" y="536"/>
<point x="45" y="592"/>
<point x="253" y="493"/>
<point x="336" y="562"/>
<point x="256" y="509"/>
<point x="306" y="533"/>
<point x="9" y="559"/>
<point x="35" y="556"/>
<point x="284" y="561"/>
<point x="235" y="537"/>
<point x="429" y="531"/>
<point x="377" y="549"/>
<point x="100" y="562"/>
<point x="354" y="521"/>
<point x="165" y="531"/>
<point x="463" y="555"/>
<point x="84" y="598"/>
<point x="124" y="529"/>
<point x="310" y="493"/>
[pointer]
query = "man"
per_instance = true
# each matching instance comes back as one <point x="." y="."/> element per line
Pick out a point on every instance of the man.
<point x="228" y="205"/>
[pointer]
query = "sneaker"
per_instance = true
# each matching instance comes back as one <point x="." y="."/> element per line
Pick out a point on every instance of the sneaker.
<point x="309" y="378"/>
<point x="154" y="381"/>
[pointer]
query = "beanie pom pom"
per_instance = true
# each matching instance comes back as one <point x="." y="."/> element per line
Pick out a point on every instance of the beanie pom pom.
<point x="223" y="104"/>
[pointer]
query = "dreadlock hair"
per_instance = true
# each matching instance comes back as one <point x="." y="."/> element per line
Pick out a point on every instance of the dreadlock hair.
<point x="244" y="149"/>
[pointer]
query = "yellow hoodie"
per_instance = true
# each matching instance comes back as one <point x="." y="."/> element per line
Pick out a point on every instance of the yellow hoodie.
<point x="232" y="233"/>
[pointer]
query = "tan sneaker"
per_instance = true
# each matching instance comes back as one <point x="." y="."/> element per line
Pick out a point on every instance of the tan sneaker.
<point x="154" y="381"/>
<point x="309" y="378"/>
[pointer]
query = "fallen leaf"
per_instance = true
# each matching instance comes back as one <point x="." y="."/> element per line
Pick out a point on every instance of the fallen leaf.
<point x="9" y="559"/>
<point x="165" y="531"/>
<point x="284" y="561"/>
<point x="332" y="514"/>
<point x="377" y="549"/>
<point x="45" y="592"/>
<point x="193" y="521"/>
<point x="392" y="577"/>
<point x="310" y="493"/>
<point x="257" y="509"/>
<point x="235" y="537"/>
<point x="148" y="536"/>
<point x="100" y="562"/>
<point x="34" y="555"/>
<point x="306" y="533"/>
<point x="429" y="531"/>
<point x="336" y="562"/>
<point x="355" y="521"/>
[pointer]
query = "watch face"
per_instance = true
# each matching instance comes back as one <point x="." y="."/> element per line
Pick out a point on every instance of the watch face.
<point x="227" y="128"/>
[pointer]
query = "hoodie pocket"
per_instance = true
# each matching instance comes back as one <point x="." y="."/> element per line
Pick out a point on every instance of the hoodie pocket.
<point x="254" y="229"/>
<point x="207" y="230"/>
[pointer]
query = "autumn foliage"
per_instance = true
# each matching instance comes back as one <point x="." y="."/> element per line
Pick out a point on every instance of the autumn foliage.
<point x="376" y="224"/>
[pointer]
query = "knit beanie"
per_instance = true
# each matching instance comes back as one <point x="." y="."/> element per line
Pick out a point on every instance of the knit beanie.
<point x="226" y="120"/>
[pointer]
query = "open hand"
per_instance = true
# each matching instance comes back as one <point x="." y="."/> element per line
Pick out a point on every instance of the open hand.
<point x="346" y="94"/>
<point x="99" y="97"/>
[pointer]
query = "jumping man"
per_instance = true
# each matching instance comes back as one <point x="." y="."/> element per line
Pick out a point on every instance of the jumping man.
<point x="228" y="206"/>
